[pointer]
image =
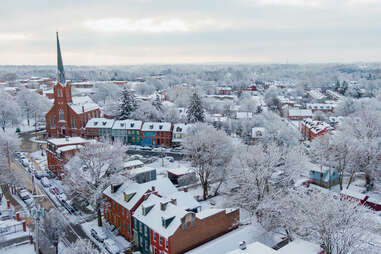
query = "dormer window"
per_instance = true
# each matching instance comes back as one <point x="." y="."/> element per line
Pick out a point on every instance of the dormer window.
<point x="151" y="126"/>
<point x="132" y="125"/>
<point x="160" y="127"/>
<point x="95" y="123"/>
<point x="178" y="129"/>
<point x="122" y="125"/>
<point x="128" y="197"/>
<point x="104" y="123"/>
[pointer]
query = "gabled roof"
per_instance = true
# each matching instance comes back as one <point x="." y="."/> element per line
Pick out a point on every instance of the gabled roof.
<point x="156" y="126"/>
<point x="154" y="218"/>
<point x="127" y="124"/>
<point x="101" y="123"/>
<point x="67" y="141"/>
<point x="82" y="101"/>
<point x="162" y="185"/>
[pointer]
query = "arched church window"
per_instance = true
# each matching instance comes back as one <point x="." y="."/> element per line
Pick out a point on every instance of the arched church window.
<point x="61" y="115"/>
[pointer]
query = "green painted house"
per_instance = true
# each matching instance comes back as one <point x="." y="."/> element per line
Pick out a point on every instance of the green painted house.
<point x="127" y="131"/>
<point x="142" y="235"/>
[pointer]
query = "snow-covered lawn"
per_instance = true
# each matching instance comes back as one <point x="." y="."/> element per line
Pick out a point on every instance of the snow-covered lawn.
<point x="163" y="168"/>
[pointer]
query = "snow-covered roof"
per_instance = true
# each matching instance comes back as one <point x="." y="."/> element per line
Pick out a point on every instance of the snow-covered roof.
<point x="315" y="126"/>
<point x="361" y="194"/>
<point x="67" y="141"/>
<point x="180" y="171"/>
<point x="154" y="218"/>
<point x="300" y="112"/>
<point x="140" y="170"/>
<point x="127" y="124"/>
<point x="244" y="115"/>
<point x="224" y="88"/>
<point x="133" y="163"/>
<point x="321" y="106"/>
<point x="300" y="246"/>
<point x="162" y="185"/>
<point x="68" y="148"/>
<point x="258" y="132"/>
<point x="100" y="123"/>
<point x="255" y="248"/>
<point x="156" y="126"/>
<point x="208" y="212"/>
<point x="83" y="101"/>
<point x="316" y="94"/>
<point x="180" y="127"/>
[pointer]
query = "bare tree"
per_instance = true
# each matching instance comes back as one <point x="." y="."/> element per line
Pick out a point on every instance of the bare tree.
<point x="52" y="227"/>
<point x="210" y="151"/>
<point x="92" y="169"/>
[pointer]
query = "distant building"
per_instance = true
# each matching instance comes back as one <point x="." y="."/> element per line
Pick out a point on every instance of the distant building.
<point x="299" y="114"/>
<point x="99" y="128"/>
<point x="316" y="95"/>
<point x="224" y="90"/>
<point x="127" y="131"/>
<point x="179" y="131"/>
<point x="311" y="129"/>
<point x="322" y="107"/>
<point x="325" y="178"/>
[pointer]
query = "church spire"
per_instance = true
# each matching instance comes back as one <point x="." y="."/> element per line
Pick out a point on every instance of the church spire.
<point x="60" y="67"/>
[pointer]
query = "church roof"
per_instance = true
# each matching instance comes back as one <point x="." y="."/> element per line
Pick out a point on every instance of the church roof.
<point x="83" y="101"/>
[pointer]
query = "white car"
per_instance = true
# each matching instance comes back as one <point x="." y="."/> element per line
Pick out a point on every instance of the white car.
<point x="98" y="234"/>
<point x="111" y="246"/>
<point x="45" y="182"/>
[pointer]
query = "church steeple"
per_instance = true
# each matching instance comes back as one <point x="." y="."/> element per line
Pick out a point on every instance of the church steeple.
<point x="60" y="67"/>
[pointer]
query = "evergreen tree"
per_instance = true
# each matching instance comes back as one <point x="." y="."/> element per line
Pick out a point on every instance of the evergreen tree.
<point x="127" y="104"/>
<point x="195" y="111"/>
<point x="157" y="104"/>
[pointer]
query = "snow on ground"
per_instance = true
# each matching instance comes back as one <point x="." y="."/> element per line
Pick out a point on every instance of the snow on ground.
<point x="122" y="243"/>
<point x="230" y="241"/>
<point x="18" y="249"/>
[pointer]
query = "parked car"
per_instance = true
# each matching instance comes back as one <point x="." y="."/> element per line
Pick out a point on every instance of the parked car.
<point x="169" y="158"/>
<point x="50" y="175"/>
<point x="99" y="235"/>
<point x="25" y="162"/>
<point x="111" y="246"/>
<point x="24" y="194"/>
<point x="146" y="148"/>
<point x="45" y="182"/>
<point x="54" y="190"/>
<point x="39" y="175"/>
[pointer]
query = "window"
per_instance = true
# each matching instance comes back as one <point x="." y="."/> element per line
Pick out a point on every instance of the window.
<point x="184" y="226"/>
<point x="140" y="227"/>
<point x="52" y="122"/>
<point x="154" y="236"/>
<point x="145" y="230"/>
<point x="166" y="244"/>
<point x="161" y="240"/>
<point x="61" y="115"/>
<point x="155" y="250"/>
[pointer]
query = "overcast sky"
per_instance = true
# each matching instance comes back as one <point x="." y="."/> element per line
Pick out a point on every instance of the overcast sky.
<point x="100" y="32"/>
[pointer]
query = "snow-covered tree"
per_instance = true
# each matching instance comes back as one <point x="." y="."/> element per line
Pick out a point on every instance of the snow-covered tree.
<point x="9" y="143"/>
<point x="264" y="171"/>
<point x="32" y="104"/>
<point x="81" y="246"/>
<point x="209" y="151"/>
<point x="9" y="110"/>
<point x="195" y="112"/>
<point x="52" y="227"/>
<point x="157" y="103"/>
<point x="146" y="112"/>
<point x="127" y="104"/>
<point x="92" y="169"/>
<point x="271" y="97"/>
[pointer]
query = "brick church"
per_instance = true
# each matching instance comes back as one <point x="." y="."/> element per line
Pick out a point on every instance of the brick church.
<point x="69" y="115"/>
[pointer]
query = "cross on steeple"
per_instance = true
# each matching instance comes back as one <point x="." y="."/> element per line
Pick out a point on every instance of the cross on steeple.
<point x="60" y="68"/>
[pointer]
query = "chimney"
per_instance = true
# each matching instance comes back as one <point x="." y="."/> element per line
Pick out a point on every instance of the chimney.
<point x="242" y="245"/>
<point x="185" y="189"/>
<point x="163" y="206"/>
<point x="66" y="138"/>
<point x="83" y="109"/>
<point x="174" y="201"/>
<point x="153" y="188"/>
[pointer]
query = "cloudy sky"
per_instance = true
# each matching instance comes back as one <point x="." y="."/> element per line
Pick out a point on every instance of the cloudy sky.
<point x="113" y="32"/>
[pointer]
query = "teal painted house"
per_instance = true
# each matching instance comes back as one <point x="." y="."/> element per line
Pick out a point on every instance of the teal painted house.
<point x="325" y="178"/>
<point x="127" y="131"/>
<point x="142" y="234"/>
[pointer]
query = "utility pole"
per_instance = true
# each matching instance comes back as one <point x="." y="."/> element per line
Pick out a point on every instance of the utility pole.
<point x="37" y="212"/>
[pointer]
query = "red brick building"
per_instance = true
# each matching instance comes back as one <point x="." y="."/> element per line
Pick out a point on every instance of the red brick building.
<point x="69" y="115"/>
<point x="60" y="150"/>
<point x="299" y="114"/>
<point x="156" y="134"/>
<point x="311" y="129"/>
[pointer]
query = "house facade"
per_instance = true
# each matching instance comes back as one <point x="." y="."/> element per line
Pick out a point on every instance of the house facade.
<point x="60" y="150"/>
<point x="156" y="134"/>
<point x="179" y="131"/>
<point x="127" y="131"/>
<point x="299" y="114"/>
<point x="99" y="128"/>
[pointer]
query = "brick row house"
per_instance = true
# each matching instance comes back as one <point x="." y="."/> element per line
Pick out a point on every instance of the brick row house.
<point x="160" y="219"/>
<point x="156" y="134"/>
<point x="299" y="114"/>
<point x="127" y="131"/>
<point x="68" y="115"/>
<point x="311" y="129"/>
<point x="60" y="150"/>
